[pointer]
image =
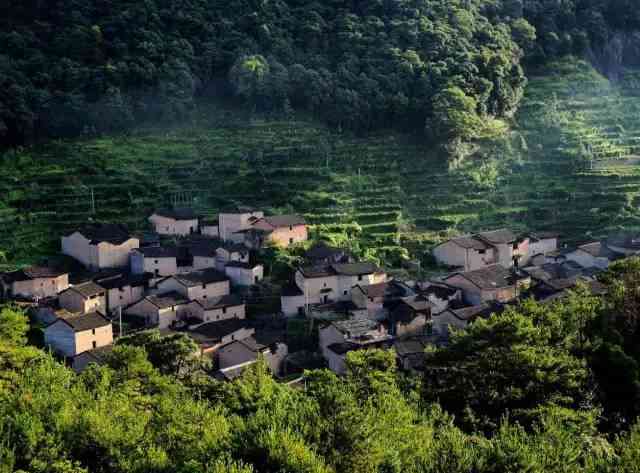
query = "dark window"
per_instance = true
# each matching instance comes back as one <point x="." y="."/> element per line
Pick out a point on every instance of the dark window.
<point x="224" y="310"/>
<point x="95" y="345"/>
<point x="204" y="297"/>
<point x="204" y="286"/>
<point x="93" y="331"/>
<point x="360" y="278"/>
<point x="290" y="228"/>
<point x="291" y="241"/>
<point x="345" y="292"/>
<point x="515" y="246"/>
<point x="482" y="252"/>
<point x="155" y="261"/>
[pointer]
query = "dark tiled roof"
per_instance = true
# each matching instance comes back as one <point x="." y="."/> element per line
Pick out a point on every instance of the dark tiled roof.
<point x="356" y="269"/>
<point x="105" y="232"/>
<point x="491" y="277"/>
<point x="543" y="235"/>
<point x="97" y="354"/>
<point x="375" y="290"/>
<point x="215" y="331"/>
<point x="322" y="250"/>
<point x="408" y="347"/>
<point x="92" y="320"/>
<point x="196" y="278"/>
<point x="158" y="251"/>
<point x="318" y="271"/>
<point x="87" y="289"/>
<point x="220" y="302"/>
<point x="497" y="237"/>
<point x="550" y="271"/>
<point x="470" y="313"/>
<point x="182" y="213"/>
<point x="169" y="299"/>
<point x="240" y="264"/>
<point x="355" y="327"/>
<point x="599" y="250"/>
<point x="278" y="221"/>
<point x="28" y="274"/>
<point x="343" y="347"/>
<point x="235" y="247"/>
<point x="124" y="280"/>
<point x="418" y="303"/>
<point x="441" y="291"/>
<point x="628" y="241"/>
<point x="470" y="242"/>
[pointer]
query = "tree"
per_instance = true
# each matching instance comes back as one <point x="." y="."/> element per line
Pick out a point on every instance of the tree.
<point x="504" y="365"/>
<point x="14" y="326"/>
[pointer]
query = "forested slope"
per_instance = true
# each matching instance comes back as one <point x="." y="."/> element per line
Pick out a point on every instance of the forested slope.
<point x="441" y="68"/>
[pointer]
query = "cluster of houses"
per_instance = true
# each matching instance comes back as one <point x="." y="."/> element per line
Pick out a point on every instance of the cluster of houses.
<point x="190" y="274"/>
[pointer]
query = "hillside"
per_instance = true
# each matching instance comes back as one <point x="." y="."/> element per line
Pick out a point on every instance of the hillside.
<point x="568" y="165"/>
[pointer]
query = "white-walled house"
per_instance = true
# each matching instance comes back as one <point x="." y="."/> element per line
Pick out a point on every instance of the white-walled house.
<point x="100" y="246"/>
<point x="73" y="335"/>
<point x="279" y="230"/>
<point x="244" y="274"/>
<point x="197" y="285"/>
<point x="327" y="283"/>
<point x="210" y="227"/>
<point x="231" y="252"/>
<point x="84" y="298"/>
<point x="33" y="282"/>
<point x="541" y="243"/>
<point x="493" y="283"/>
<point x="230" y="223"/>
<point x="175" y="222"/>
<point x="157" y="260"/>
<point x="160" y="311"/>
<point x="593" y="255"/>
<point x="338" y="338"/>
<point x="220" y="308"/>
<point x="123" y="290"/>
<point x="292" y="301"/>
<point x="243" y="353"/>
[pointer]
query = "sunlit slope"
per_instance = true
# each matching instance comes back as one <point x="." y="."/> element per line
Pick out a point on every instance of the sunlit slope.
<point x="569" y="165"/>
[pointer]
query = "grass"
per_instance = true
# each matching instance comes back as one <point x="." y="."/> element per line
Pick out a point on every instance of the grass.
<point x="568" y="165"/>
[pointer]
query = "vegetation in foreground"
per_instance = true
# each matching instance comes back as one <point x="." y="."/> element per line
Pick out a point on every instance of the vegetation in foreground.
<point x="538" y="388"/>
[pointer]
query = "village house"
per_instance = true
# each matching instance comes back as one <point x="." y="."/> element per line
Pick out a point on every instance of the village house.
<point x="123" y="289"/>
<point x="371" y="298"/>
<point x="441" y="296"/>
<point x="161" y="311"/>
<point x="197" y="285"/>
<point x="449" y="319"/>
<point x="73" y="335"/>
<point x="100" y="246"/>
<point x="322" y="253"/>
<point x="550" y="271"/>
<point x="231" y="252"/>
<point x="35" y="282"/>
<point x="410" y="317"/>
<point x="280" y="230"/>
<point x="174" y="222"/>
<point x="96" y="356"/>
<point x="204" y="255"/>
<point x="465" y="252"/>
<point x="594" y="255"/>
<point x="483" y="249"/>
<point x="242" y="353"/>
<point x="84" y="298"/>
<point x="213" y="335"/>
<point x="324" y="284"/>
<point x="627" y="244"/>
<point x="230" y="224"/>
<point x="157" y="260"/>
<point x="338" y="338"/>
<point x="210" y="228"/>
<point x="410" y="354"/>
<point x="292" y="301"/>
<point x="493" y="283"/>
<point x="540" y="243"/>
<point x="216" y="309"/>
<point x="244" y="274"/>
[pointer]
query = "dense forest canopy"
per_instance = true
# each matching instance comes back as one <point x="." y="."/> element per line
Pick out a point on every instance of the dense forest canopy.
<point x="442" y="68"/>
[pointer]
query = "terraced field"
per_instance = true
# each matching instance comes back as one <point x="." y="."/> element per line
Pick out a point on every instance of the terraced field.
<point x="571" y="164"/>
